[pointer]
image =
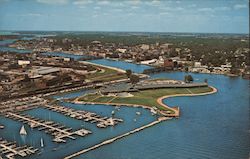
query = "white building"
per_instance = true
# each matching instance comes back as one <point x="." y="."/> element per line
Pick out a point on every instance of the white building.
<point x="122" y="50"/>
<point x="144" y="47"/>
<point x="197" y="64"/>
<point x="23" y="62"/>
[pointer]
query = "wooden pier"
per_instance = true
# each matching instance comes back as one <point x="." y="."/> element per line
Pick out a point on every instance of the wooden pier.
<point x="59" y="131"/>
<point x="101" y="122"/>
<point x="10" y="150"/>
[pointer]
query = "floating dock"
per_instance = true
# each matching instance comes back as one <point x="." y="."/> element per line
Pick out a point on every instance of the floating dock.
<point x="59" y="131"/>
<point x="101" y="122"/>
<point x="10" y="150"/>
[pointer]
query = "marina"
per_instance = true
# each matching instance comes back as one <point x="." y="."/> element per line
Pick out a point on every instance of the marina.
<point x="195" y="113"/>
<point x="21" y="104"/>
<point x="58" y="131"/>
<point x="10" y="150"/>
<point x="101" y="122"/>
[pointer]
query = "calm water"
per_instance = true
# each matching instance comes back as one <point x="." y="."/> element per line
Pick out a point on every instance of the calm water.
<point x="122" y="65"/>
<point x="61" y="54"/>
<point x="5" y="48"/>
<point x="215" y="129"/>
<point x="210" y="127"/>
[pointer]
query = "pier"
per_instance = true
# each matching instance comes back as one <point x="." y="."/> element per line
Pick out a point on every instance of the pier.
<point x="109" y="141"/>
<point x="10" y="150"/>
<point x="102" y="122"/>
<point x="21" y="104"/>
<point x="59" y="131"/>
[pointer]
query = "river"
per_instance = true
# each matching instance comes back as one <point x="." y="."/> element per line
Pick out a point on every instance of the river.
<point x="210" y="127"/>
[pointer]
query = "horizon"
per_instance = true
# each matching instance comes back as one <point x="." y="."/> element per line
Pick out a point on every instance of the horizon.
<point x="154" y="32"/>
<point x="163" y="16"/>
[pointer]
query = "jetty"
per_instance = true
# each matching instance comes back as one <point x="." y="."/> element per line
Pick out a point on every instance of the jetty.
<point x="109" y="141"/>
<point x="60" y="132"/>
<point x="101" y="122"/>
<point x="10" y="150"/>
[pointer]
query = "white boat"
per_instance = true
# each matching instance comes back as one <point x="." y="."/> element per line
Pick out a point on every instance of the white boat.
<point x="42" y="143"/>
<point x="138" y="113"/>
<point x="112" y="121"/>
<point x="153" y="111"/>
<point x="23" y="131"/>
<point x="113" y="112"/>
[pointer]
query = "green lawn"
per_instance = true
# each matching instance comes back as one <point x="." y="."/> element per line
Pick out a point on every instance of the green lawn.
<point x="107" y="75"/>
<point x="146" y="97"/>
<point x="103" y="99"/>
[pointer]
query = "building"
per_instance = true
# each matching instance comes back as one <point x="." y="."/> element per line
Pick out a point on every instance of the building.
<point x="144" y="47"/>
<point x="197" y="64"/>
<point x="168" y="63"/>
<point x="23" y="62"/>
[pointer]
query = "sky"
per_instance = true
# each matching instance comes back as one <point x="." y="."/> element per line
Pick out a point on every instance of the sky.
<point x="200" y="16"/>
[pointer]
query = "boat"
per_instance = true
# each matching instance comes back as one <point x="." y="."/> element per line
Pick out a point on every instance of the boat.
<point x="113" y="112"/>
<point x="134" y="120"/>
<point x="112" y="121"/>
<point x="117" y="108"/>
<point x="23" y="131"/>
<point x="1" y="127"/>
<point x="138" y="113"/>
<point x="41" y="142"/>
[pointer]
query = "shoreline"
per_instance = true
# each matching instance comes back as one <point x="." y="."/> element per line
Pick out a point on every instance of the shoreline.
<point x="113" y="68"/>
<point x="176" y="110"/>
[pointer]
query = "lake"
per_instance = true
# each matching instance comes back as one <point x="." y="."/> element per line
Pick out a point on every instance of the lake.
<point x="210" y="127"/>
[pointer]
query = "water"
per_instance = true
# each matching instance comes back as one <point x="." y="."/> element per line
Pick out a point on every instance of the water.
<point x="61" y="54"/>
<point x="7" y="41"/>
<point x="122" y="65"/>
<point x="210" y="127"/>
<point x="5" y="48"/>
<point x="9" y="49"/>
<point x="217" y="128"/>
<point x="99" y="135"/>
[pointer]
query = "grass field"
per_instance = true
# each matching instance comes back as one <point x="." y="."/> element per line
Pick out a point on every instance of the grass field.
<point x="146" y="97"/>
<point x="106" y="75"/>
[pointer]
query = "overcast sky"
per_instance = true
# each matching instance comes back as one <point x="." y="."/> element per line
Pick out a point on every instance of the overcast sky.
<point x="210" y="16"/>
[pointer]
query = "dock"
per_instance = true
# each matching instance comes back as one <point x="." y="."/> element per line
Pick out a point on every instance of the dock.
<point x="10" y="150"/>
<point x="21" y="104"/>
<point x="101" y="122"/>
<point x="58" y="131"/>
<point x="109" y="141"/>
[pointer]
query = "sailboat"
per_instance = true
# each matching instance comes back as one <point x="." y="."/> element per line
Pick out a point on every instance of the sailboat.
<point x="23" y="131"/>
<point x="42" y="143"/>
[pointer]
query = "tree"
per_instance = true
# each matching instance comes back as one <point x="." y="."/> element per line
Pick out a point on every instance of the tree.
<point x="128" y="73"/>
<point x="134" y="79"/>
<point x="188" y="79"/>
